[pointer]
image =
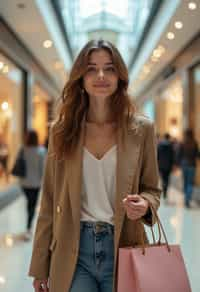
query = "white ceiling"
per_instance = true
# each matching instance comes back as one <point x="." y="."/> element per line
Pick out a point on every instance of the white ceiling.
<point x="191" y="26"/>
<point x="30" y="27"/>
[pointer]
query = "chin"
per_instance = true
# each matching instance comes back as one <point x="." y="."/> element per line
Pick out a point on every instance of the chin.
<point x="103" y="94"/>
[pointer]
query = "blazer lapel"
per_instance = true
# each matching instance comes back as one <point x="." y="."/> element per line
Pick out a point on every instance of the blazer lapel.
<point x="75" y="179"/>
<point x="127" y="161"/>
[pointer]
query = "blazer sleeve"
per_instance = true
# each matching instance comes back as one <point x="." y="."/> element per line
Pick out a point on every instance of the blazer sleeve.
<point x="149" y="180"/>
<point x="40" y="261"/>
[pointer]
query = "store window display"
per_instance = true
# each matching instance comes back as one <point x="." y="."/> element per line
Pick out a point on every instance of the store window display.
<point x="40" y="113"/>
<point x="169" y="109"/>
<point x="11" y="115"/>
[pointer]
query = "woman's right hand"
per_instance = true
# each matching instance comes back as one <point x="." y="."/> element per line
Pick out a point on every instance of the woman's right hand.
<point x="40" y="285"/>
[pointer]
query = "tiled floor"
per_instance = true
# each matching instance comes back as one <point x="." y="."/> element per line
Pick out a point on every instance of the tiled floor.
<point x="182" y="226"/>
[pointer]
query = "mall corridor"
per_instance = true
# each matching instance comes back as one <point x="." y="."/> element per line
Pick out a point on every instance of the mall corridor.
<point x="104" y="95"/>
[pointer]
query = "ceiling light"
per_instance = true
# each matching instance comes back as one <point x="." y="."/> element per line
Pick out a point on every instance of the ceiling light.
<point x="47" y="44"/>
<point x="1" y="65"/>
<point x="156" y="53"/>
<point x="2" y="280"/>
<point x="5" y="69"/>
<point x="146" y="69"/>
<point x="192" y="5"/>
<point x="170" y="35"/>
<point x="178" y="24"/>
<point x="9" y="241"/>
<point x="4" y="106"/>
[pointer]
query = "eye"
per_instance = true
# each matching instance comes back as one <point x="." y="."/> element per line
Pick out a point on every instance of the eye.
<point x="91" y="69"/>
<point x="110" y="69"/>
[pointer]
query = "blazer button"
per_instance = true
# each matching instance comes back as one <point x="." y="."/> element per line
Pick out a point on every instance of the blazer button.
<point x="58" y="209"/>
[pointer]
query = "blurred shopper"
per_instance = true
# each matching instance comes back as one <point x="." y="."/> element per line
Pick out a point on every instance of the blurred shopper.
<point x="187" y="157"/>
<point x="165" y="161"/>
<point x="34" y="156"/>
<point x="158" y="138"/>
<point x="46" y="143"/>
<point x="176" y="146"/>
<point x="83" y="219"/>
<point x="4" y="158"/>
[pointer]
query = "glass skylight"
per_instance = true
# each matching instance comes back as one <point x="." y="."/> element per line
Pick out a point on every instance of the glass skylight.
<point x="90" y="7"/>
<point x="121" y="22"/>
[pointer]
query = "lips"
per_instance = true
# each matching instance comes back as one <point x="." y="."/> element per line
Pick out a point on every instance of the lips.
<point x="101" y="85"/>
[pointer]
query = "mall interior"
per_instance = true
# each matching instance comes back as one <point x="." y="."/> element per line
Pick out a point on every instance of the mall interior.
<point x="159" y="41"/>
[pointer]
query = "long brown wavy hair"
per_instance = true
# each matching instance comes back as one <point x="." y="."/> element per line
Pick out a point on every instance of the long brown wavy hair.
<point x="74" y="102"/>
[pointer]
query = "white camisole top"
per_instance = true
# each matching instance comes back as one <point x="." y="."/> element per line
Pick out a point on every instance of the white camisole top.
<point x="99" y="186"/>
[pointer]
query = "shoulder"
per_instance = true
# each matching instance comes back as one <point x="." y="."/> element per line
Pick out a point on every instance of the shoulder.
<point x="140" y="123"/>
<point x="42" y="150"/>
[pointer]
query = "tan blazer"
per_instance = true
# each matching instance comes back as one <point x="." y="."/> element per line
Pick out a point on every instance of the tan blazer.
<point x="56" y="243"/>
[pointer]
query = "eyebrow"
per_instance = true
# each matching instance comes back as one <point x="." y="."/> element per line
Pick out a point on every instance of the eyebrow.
<point x="94" y="64"/>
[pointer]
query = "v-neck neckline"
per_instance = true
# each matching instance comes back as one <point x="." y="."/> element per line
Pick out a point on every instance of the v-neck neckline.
<point x="105" y="154"/>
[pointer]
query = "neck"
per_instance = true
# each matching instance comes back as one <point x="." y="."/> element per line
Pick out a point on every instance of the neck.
<point x="99" y="112"/>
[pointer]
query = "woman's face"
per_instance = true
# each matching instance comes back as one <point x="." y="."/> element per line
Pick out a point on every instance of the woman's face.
<point x="101" y="78"/>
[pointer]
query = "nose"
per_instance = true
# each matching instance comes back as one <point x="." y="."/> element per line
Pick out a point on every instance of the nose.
<point x="101" y="74"/>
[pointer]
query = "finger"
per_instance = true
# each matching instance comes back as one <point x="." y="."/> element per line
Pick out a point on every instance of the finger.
<point x="134" y="206"/>
<point x="128" y="197"/>
<point x="134" y="197"/>
<point x="124" y="200"/>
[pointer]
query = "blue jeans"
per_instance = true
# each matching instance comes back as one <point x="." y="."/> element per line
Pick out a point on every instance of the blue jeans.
<point x="94" y="270"/>
<point x="188" y="182"/>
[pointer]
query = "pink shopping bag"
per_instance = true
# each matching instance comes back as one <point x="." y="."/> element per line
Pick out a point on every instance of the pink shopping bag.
<point x="152" y="268"/>
<point x="158" y="270"/>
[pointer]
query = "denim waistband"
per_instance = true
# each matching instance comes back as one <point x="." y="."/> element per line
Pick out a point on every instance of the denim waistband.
<point x="98" y="226"/>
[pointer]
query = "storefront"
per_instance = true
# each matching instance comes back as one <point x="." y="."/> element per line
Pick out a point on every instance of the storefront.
<point x="169" y="109"/>
<point x="26" y="91"/>
<point x="40" y="103"/>
<point x="11" y="106"/>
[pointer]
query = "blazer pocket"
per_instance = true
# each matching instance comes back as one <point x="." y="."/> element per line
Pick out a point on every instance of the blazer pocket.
<point x="52" y="244"/>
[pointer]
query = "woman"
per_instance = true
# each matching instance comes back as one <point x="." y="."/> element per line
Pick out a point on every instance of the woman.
<point x="34" y="156"/>
<point x="187" y="156"/>
<point x="101" y="178"/>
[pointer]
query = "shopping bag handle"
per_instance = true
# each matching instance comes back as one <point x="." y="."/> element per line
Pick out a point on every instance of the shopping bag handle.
<point x="161" y="232"/>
